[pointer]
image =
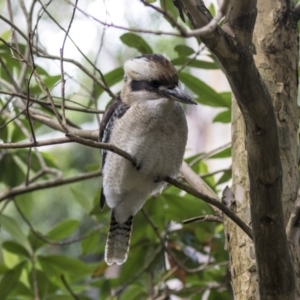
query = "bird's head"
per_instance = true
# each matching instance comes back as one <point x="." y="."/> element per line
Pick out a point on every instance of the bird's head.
<point x="152" y="77"/>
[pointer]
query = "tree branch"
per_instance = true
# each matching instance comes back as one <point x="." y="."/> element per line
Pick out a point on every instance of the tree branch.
<point x="213" y="202"/>
<point x="50" y="183"/>
<point x="23" y="189"/>
<point x="206" y="218"/>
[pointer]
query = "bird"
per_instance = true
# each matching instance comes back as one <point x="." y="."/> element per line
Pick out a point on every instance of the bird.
<point x="147" y="122"/>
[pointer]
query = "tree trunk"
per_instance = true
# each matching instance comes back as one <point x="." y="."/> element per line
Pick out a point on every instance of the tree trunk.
<point x="276" y="42"/>
<point x="265" y="179"/>
<point x="240" y="248"/>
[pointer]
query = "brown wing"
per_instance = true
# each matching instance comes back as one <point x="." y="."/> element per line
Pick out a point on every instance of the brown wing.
<point x="115" y="111"/>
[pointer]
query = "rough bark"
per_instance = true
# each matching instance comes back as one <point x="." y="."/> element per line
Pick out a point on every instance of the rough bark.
<point x="275" y="39"/>
<point x="234" y="49"/>
<point x="243" y="272"/>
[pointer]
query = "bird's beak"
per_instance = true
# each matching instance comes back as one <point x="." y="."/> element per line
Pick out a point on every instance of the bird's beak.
<point x="179" y="95"/>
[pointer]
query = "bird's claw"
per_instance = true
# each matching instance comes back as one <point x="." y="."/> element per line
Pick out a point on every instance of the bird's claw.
<point x="158" y="179"/>
<point x="137" y="165"/>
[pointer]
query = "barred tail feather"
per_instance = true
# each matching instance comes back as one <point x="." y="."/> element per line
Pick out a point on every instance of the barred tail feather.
<point x="118" y="239"/>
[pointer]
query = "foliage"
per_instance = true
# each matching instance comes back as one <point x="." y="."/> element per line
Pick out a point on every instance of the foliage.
<point x="53" y="237"/>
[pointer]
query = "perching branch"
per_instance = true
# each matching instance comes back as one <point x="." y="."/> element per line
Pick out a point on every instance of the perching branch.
<point x="23" y="189"/>
<point x="213" y="202"/>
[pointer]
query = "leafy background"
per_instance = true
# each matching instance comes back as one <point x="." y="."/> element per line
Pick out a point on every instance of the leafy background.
<point x="53" y="239"/>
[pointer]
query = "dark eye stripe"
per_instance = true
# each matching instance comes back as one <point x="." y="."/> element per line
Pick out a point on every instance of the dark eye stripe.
<point x="145" y="85"/>
<point x="140" y="85"/>
<point x="155" y="84"/>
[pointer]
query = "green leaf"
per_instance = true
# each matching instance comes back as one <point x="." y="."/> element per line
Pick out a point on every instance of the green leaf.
<point x="64" y="264"/>
<point x="50" y="159"/>
<point x="212" y="9"/>
<point x="184" y="50"/>
<point x="21" y="289"/>
<point x="41" y="71"/>
<point x="201" y="64"/>
<point x="9" y="225"/>
<point x="17" y="134"/>
<point x="3" y="268"/>
<point x="179" y="208"/>
<point x="85" y="202"/>
<point x="63" y="229"/>
<point x="135" y="291"/>
<point x="11" y="174"/>
<point x="168" y="5"/>
<point x="223" y="117"/>
<point x="222" y="154"/>
<point x="111" y="78"/>
<point x="50" y="82"/>
<point x="35" y="242"/>
<point x="114" y="76"/>
<point x="90" y="244"/>
<point x="227" y="175"/>
<point x="227" y="96"/>
<point x="206" y="95"/>
<point x="6" y="35"/>
<point x="135" y="41"/>
<point x="15" y="248"/>
<point x="10" y="280"/>
<point x="34" y="162"/>
<point x="3" y="130"/>
<point x="45" y="286"/>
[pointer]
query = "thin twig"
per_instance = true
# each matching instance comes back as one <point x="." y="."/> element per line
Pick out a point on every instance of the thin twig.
<point x="29" y="157"/>
<point x="207" y="155"/>
<point x="84" y="109"/>
<point x="191" y="59"/>
<point x="167" y="16"/>
<point x="168" y="250"/>
<point x="103" y="83"/>
<point x="11" y="16"/>
<point x="138" y="274"/>
<point x="10" y="76"/>
<point x="213" y="202"/>
<point x="34" y="278"/>
<point x="22" y="189"/>
<point x="82" y="68"/>
<point x="206" y="218"/>
<point x="183" y="32"/>
<point x="62" y="65"/>
<point x="28" y="89"/>
<point x="67" y="286"/>
<point x="215" y="172"/>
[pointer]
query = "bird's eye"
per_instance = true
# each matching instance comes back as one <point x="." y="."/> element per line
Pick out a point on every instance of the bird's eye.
<point x="155" y="83"/>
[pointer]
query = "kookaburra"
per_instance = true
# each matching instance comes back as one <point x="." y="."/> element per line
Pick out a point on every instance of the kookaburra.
<point x="149" y="124"/>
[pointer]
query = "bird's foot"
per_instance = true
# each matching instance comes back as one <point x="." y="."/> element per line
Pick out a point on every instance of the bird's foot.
<point x="158" y="179"/>
<point x="137" y="165"/>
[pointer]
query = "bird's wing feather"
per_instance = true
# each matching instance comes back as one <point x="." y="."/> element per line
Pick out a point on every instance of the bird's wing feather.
<point x="115" y="111"/>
